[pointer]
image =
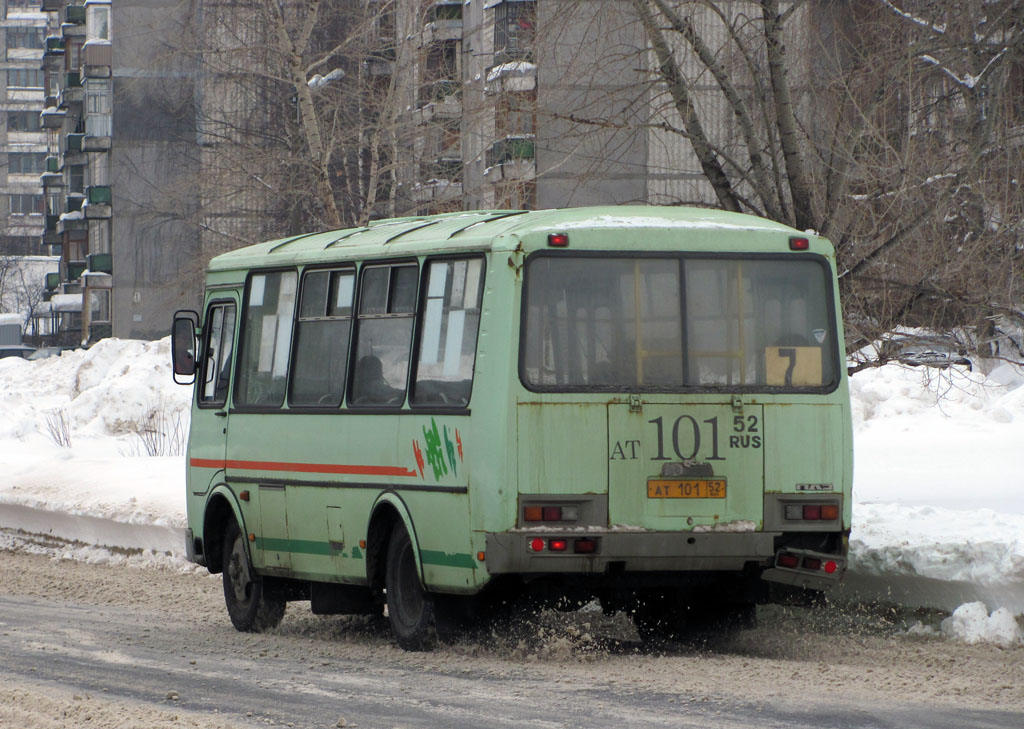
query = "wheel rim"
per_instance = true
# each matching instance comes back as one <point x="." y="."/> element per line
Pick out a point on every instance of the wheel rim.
<point x="238" y="573"/>
<point x="410" y="597"/>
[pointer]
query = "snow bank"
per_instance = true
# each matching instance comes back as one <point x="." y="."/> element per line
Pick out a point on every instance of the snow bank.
<point x="103" y="393"/>
<point x="971" y="623"/>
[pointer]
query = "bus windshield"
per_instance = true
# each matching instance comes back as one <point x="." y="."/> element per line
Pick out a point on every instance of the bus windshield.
<point x="669" y="322"/>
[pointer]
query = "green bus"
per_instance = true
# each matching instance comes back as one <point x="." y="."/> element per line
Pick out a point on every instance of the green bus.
<point x="647" y="406"/>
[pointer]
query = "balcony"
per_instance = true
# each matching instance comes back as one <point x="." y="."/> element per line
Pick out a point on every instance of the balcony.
<point x="74" y="202"/>
<point x="52" y="281"/>
<point x="52" y="117"/>
<point x="439" y="100"/>
<point x="74" y="14"/>
<point x="98" y="194"/>
<point x="73" y="142"/>
<point x="511" y="77"/>
<point x="100" y="262"/>
<point x="380" y="62"/>
<point x="54" y="46"/>
<point x="97" y="59"/>
<point x="511" y="148"/>
<point x="511" y="158"/>
<point x="52" y="179"/>
<point x="98" y="200"/>
<point x="98" y="128"/>
<point x="76" y="269"/>
<point x="52" y="6"/>
<point x="444" y="23"/>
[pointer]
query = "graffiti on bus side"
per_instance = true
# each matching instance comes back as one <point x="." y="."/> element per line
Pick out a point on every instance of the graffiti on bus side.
<point x="439" y="450"/>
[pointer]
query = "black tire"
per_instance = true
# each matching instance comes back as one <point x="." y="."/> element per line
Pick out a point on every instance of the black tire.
<point x="250" y="606"/>
<point x="410" y="608"/>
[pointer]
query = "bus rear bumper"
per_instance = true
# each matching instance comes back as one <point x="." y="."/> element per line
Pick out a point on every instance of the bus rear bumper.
<point x="623" y="552"/>
<point x="627" y="551"/>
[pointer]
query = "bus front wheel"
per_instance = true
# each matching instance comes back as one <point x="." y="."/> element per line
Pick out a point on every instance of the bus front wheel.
<point x="250" y="606"/>
<point x="410" y="609"/>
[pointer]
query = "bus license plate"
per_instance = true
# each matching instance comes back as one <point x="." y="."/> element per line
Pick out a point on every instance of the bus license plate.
<point x="700" y="488"/>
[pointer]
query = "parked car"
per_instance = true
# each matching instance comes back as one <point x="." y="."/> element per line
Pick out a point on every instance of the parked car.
<point x="16" y="350"/>
<point x="44" y="352"/>
<point x="926" y="351"/>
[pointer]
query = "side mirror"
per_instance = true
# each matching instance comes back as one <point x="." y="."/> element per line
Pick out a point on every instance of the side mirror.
<point x="183" y="346"/>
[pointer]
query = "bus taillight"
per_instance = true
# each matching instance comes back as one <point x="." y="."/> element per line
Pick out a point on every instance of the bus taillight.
<point x="584" y="546"/>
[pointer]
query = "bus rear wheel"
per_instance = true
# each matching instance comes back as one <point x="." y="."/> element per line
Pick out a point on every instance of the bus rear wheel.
<point x="250" y="606"/>
<point x="410" y="608"/>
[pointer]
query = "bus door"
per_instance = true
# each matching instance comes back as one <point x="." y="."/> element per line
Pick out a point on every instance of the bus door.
<point x="208" y="438"/>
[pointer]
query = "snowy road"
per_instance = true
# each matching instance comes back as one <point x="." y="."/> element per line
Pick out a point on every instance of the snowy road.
<point x="155" y="643"/>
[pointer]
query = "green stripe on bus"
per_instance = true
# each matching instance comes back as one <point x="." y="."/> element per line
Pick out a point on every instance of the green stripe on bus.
<point x="445" y="559"/>
<point x="299" y="546"/>
<point x="303" y="546"/>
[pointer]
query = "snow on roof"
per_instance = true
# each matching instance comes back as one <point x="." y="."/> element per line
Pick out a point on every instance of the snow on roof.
<point x="519" y="68"/>
<point x="11" y="319"/>
<point x="66" y="302"/>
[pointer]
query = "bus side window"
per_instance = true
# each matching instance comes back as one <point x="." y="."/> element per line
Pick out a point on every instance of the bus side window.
<point x="322" y="339"/>
<point x="220" y="337"/>
<point x="387" y="310"/>
<point x="266" y="339"/>
<point x="451" y="317"/>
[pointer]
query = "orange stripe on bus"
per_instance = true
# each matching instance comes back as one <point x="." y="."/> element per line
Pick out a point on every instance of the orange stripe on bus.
<point x="338" y="468"/>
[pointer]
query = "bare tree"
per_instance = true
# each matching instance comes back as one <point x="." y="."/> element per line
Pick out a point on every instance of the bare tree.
<point x="893" y="130"/>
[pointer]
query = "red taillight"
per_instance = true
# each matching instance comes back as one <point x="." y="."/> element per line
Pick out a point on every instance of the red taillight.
<point x="812" y="512"/>
<point x="558" y="240"/>
<point x="552" y="513"/>
<point x="788" y="560"/>
<point x="533" y="513"/>
<point x="558" y="545"/>
<point x="537" y="545"/>
<point x="831" y="567"/>
<point x="812" y="563"/>
<point x="799" y="244"/>
<point x="584" y="546"/>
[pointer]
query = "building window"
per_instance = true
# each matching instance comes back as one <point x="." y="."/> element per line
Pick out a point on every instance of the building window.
<point x="97" y="97"/>
<point x="23" y="121"/>
<point x="97" y="21"/>
<point x="22" y="204"/>
<point x="21" y="163"/>
<point x="76" y="178"/>
<point x="25" y="37"/>
<point x="25" y="78"/>
<point x="514" y="26"/>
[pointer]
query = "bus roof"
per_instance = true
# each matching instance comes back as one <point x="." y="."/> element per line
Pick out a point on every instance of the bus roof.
<point x="482" y="230"/>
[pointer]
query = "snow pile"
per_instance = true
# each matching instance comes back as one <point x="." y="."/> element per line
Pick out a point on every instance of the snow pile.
<point x="982" y="547"/>
<point x="971" y="623"/>
<point x="102" y="395"/>
<point x="939" y="473"/>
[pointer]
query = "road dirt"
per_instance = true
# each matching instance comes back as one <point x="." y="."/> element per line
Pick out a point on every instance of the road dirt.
<point x="796" y="657"/>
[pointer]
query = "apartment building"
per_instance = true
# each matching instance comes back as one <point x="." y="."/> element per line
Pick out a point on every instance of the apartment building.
<point x="535" y="104"/>
<point x="118" y="159"/>
<point x="22" y="140"/>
